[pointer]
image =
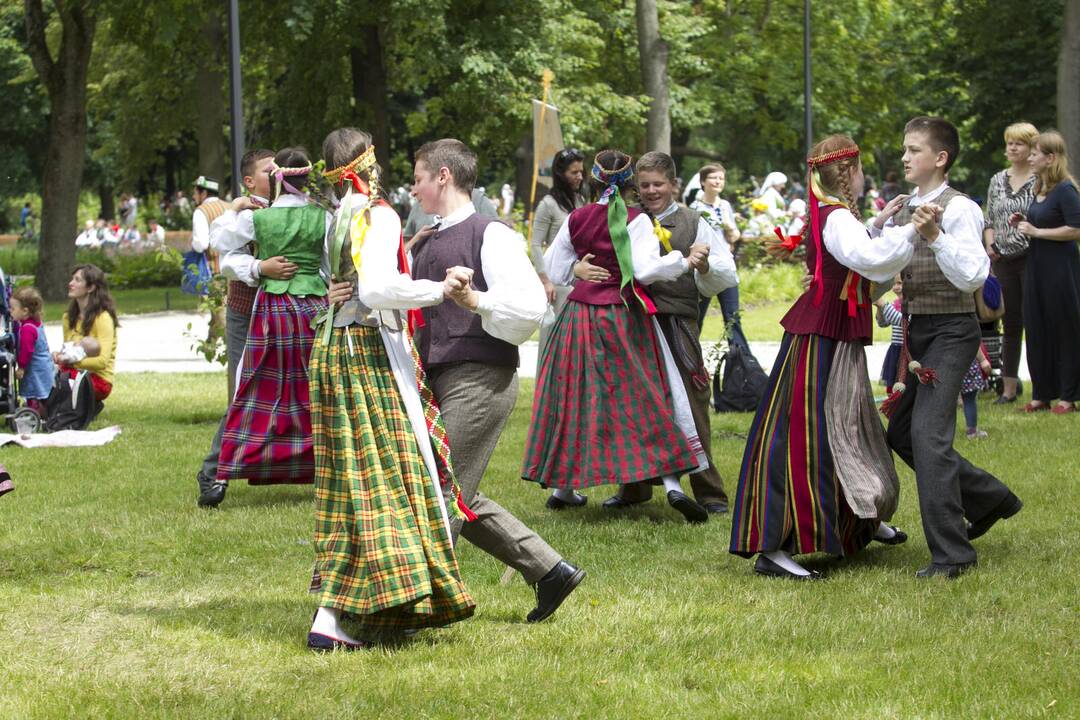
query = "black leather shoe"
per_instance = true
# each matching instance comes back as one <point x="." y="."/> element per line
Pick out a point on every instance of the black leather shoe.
<point x="556" y="503"/>
<point x="211" y="492"/>
<point x="618" y="502"/>
<point x="948" y="571"/>
<point x="553" y="588"/>
<point x="716" y="508"/>
<point x="899" y="537"/>
<point x="693" y="512"/>
<point x="325" y="643"/>
<point x="1005" y="509"/>
<point x="765" y="566"/>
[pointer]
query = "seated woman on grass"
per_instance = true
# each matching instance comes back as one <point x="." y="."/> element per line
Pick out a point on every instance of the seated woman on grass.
<point x="90" y="324"/>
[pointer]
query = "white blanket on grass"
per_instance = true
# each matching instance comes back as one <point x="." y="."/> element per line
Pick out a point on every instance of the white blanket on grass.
<point x="63" y="438"/>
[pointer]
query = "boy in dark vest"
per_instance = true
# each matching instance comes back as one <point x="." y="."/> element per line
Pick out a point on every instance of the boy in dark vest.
<point x="243" y="271"/>
<point x="468" y="345"/>
<point x="948" y="266"/>
<point x="680" y="228"/>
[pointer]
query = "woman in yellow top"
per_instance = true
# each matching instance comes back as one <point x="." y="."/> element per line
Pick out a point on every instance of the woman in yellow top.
<point x="90" y="325"/>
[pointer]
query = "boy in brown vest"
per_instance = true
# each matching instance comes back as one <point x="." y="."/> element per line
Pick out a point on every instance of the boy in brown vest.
<point x="468" y="345"/>
<point x="712" y="271"/>
<point x="948" y="266"/>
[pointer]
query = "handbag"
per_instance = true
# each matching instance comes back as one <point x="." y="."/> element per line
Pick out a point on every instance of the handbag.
<point x="744" y="382"/>
<point x="195" y="274"/>
<point x="989" y="302"/>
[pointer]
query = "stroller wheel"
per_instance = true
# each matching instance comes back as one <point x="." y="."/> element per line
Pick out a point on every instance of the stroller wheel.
<point x="999" y="386"/>
<point x="25" y="421"/>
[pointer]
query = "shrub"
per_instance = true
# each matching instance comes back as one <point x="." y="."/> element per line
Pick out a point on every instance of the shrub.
<point x="159" y="268"/>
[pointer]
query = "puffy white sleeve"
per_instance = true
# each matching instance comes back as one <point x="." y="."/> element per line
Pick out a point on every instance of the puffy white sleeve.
<point x="876" y="258"/>
<point x="721" y="274"/>
<point x="560" y="257"/>
<point x="232" y="231"/>
<point x="380" y="284"/>
<point x="649" y="265"/>
<point x="241" y="265"/>
<point x="958" y="249"/>
<point x="514" y="303"/>
<point x="200" y="231"/>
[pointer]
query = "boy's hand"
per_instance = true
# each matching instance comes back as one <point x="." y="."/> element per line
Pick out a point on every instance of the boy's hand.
<point x="584" y="270"/>
<point x="339" y="292"/>
<point x="243" y="203"/>
<point x="699" y="257"/>
<point x="926" y="219"/>
<point x="891" y="208"/>
<point x="277" y="268"/>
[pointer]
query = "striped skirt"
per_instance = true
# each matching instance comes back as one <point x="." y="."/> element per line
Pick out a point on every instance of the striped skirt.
<point x="267" y="436"/>
<point x="382" y="542"/>
<point x="602" y="410"/>
<point x="789" y="495"/>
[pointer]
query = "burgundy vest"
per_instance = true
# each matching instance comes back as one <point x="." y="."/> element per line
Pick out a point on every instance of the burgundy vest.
<point x="240" y="297"/>
<point x="830" y="318"/>
<point x="450" y="333"/>
<point x="589" y="234"/>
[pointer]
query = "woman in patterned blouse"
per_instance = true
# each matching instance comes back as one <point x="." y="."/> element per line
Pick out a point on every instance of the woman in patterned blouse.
<point x="1011" y="191"/>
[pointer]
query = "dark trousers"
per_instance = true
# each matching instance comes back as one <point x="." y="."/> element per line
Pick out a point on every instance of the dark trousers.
<point x="1010" y="273"/>
<point x="236" y="330"/>
<point x="729" y="307"/>
<point x="708" y="487"/>
<point x="950" y="487"/>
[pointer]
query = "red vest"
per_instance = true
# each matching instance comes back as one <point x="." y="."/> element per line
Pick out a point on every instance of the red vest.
<point x="830" y="318"/>
<point x="589" y="234"/>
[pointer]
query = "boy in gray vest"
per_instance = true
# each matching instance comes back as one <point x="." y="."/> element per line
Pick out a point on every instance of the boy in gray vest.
<point x="949" y="265"/>
<point x="712" y="271"/>
<point x="468" y="346"/>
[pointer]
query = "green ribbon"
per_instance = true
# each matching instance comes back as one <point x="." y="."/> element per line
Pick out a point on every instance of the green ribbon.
<point x="620" y="239"/>
<point x="337" y="242"/>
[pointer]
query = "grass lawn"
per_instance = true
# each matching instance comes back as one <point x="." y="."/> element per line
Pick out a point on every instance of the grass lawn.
<point x="121" y="599"/>
<point x="136" y="301"/>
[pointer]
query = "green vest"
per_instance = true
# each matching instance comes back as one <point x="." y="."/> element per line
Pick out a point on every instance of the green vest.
<point x="296" y="233"/>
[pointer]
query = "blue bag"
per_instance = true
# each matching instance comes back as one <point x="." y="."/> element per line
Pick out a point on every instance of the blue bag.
<point x="195" y="275"/>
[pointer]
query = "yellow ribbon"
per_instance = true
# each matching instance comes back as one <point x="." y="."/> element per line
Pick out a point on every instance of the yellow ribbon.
<point x="662" y="234"/>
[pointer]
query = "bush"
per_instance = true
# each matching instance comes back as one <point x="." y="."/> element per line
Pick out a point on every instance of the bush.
<point x="18" y="259"/>
<point x="780" y="282"/>
<point x="159" y="268"/>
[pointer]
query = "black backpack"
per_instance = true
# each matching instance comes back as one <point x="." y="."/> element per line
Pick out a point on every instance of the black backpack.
<point x="744" y="382"/>
<point x="70" y="408"/>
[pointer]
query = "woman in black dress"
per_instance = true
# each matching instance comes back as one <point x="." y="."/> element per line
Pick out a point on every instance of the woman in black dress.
<point x="1052" y="283"/>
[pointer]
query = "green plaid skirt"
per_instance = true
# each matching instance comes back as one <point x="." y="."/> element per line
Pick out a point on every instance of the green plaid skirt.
<point x="381" y="545"/>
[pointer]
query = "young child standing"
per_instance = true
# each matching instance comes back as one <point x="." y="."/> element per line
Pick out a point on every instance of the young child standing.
<point x="974" y="382"/>
<point x="891" y="314"/>
<point x="948" y="265"/>
<point x="35" y="366"/>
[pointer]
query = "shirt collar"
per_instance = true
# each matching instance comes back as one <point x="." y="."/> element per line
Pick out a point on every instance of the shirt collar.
<point x="670" y="209"/>
<point x="289" y="200"/>
<point x="259" y="200"/>
<point x="918" y="198"/>
<point x="455" y="217"/>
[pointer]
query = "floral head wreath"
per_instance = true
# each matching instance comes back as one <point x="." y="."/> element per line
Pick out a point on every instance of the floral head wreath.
<point x="613" y="178"/>
<point x="278" y="174"/>
<point x="818" y="196"/>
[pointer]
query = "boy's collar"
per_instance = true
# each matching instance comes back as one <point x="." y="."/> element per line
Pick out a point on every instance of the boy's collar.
<point x="919" y="197"/>
<point x="666" y="211"/>
<point x="457" y="216"/>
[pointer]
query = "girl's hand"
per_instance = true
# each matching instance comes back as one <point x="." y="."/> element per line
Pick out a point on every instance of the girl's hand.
<point x="584" y="270"/>
<point x="1027" y="228"/>
<point x="339" y="292"/>
<point x="891" y="208"/>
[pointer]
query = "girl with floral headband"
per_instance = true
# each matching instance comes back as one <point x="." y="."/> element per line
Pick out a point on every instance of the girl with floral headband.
<point x="267" y="437"/>
<point x="817" y="474"/>
<point x="609" y="405"/>
<point x="384" y="488"/>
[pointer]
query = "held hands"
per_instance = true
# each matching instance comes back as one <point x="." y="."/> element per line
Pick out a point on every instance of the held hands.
<point x="891" y="208"/>
<point x="699" y="257"/>
<point x="458" y="287"/>
<point x="339" y="292"/>
<point x="927" y="219"/>
<point x="277" y="268"/>
<point x="584" y="270"/>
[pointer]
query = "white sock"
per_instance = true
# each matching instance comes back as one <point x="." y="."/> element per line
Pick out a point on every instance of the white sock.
<point x="671" y="483"/>
<point x="564" y="494"/>
<point x="884" y="532"/>
<point x="327" y="623"/>
<point x="784" y="560"/>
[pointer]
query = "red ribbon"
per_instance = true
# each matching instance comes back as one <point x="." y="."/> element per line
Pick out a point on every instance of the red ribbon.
<point x="790" y="242"/>
<point x="358" y="183"/>
<point x="416" y="315"/>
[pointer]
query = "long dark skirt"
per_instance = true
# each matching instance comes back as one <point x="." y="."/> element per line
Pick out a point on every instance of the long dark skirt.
<point x="1052" y="320"/>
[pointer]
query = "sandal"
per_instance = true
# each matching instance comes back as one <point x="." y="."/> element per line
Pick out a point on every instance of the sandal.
<point x="1035" y="406"/>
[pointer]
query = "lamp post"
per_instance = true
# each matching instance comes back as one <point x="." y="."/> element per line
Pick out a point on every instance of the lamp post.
<point x="808" y="111"/>
<point x="236" y="110"/>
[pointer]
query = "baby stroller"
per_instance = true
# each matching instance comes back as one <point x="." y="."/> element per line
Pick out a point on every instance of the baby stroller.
<point x="991" y="340"/>
<point x="70" y="405"/>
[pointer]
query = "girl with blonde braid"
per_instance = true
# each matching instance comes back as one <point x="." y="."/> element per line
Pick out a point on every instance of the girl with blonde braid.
<point x="384" y="489"/>
<point x="817" y="475"/>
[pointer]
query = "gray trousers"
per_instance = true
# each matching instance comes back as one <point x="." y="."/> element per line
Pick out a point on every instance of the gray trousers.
<point x="476" y="401"/>
<point x="950" y="487"/>
<point x="236" y="330"/>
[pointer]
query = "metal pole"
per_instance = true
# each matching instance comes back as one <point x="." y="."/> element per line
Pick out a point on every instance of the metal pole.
<point x="236" y="110"/>
<point x="808" y="89"/>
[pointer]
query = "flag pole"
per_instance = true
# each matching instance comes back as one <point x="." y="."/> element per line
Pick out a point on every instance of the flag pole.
<point x="547" y="77"/>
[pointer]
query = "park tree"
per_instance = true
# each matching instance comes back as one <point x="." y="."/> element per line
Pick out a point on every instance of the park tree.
<point x="1068" y="82"/>
<point x="63" y="74"/>
<point x="653" y="55"/>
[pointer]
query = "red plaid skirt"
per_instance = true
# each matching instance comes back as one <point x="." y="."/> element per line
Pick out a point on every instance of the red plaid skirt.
<point x="267" y="435"/>
<point x="601" y="412"/>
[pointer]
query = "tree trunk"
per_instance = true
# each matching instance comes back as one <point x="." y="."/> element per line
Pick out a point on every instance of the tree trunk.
<point x="369" y="91"/>
<point x="65" y="80"/>
<point x="1068" y="84"/>
<point x="210" y="100"/>
<point x="108" y="202"/>
<point x="653" y="53"/>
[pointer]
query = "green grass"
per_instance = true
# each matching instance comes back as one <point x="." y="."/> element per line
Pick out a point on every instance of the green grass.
<point x="137" y="301"/>
<point x="121" y="599"/>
